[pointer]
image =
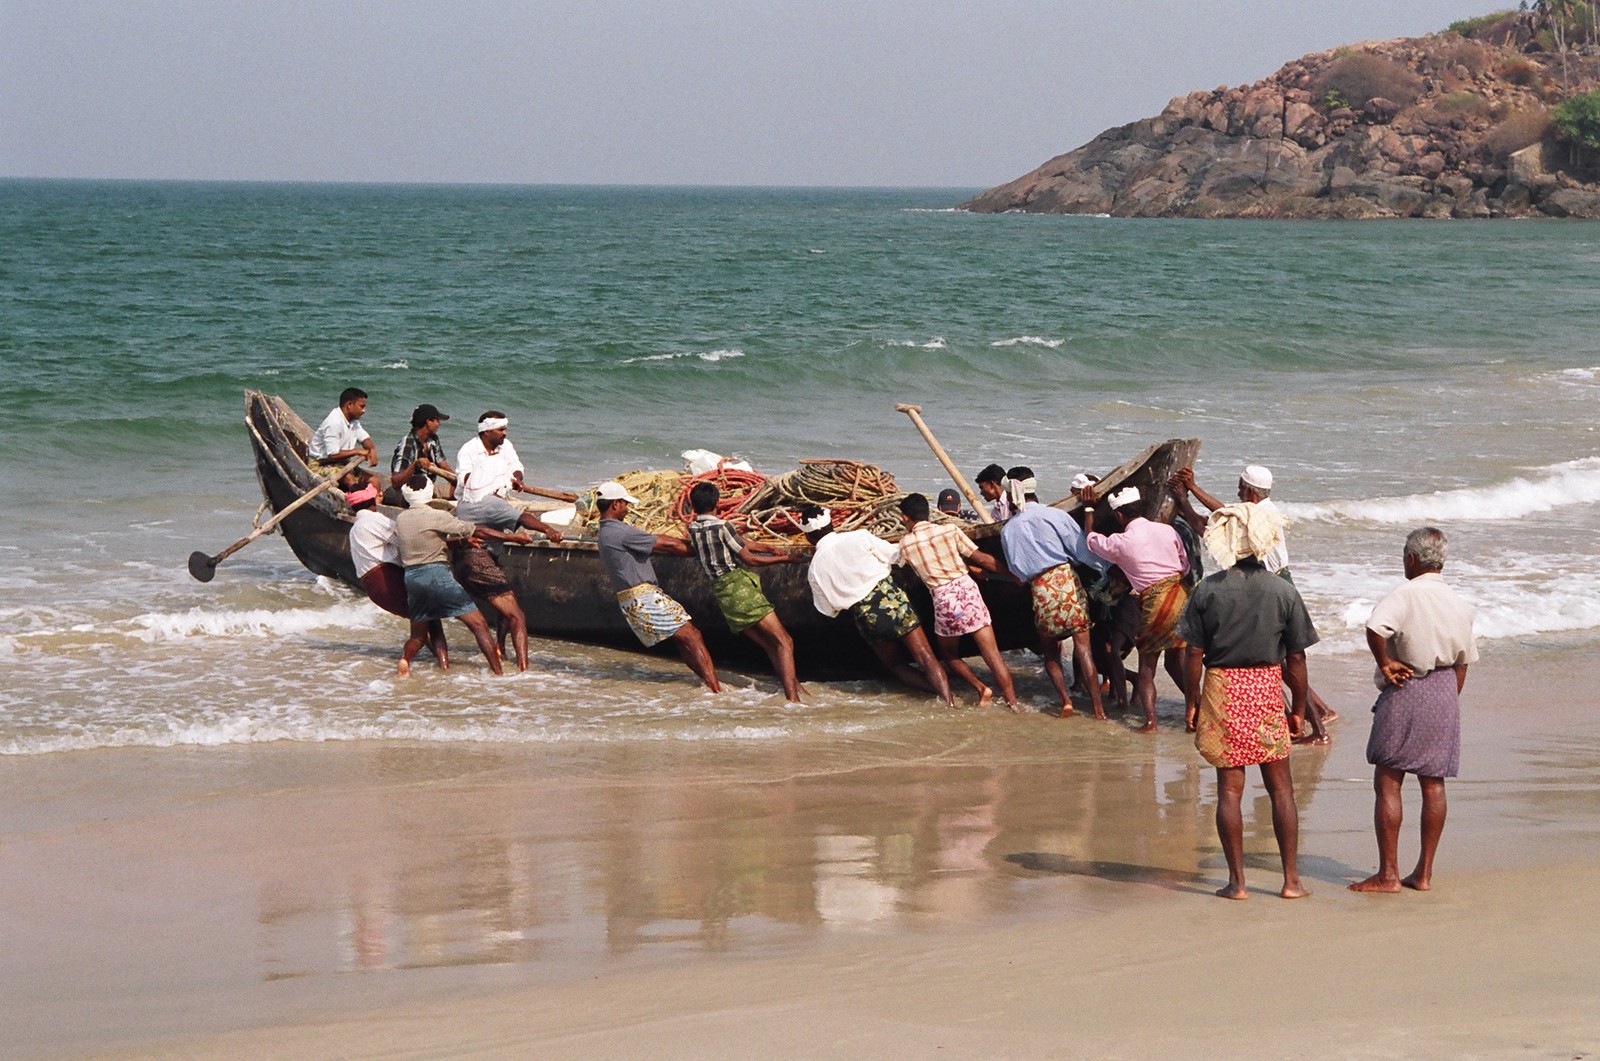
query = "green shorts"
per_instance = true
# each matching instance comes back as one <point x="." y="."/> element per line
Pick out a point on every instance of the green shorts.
<point x="741" y="600"/>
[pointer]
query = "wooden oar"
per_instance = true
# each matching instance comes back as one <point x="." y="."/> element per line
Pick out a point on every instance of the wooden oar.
<point x="204" y="567"/>
<point x="978" y="506"/>
<point x="558" y="495"/>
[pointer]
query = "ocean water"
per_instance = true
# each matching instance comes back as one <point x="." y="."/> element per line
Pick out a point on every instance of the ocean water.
<point x="1390" y="374"/>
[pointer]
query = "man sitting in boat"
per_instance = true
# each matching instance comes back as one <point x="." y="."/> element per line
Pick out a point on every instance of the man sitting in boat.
<point x="991" y="485"/>
<point x="376" y="552"/>
<point x="652" y="615"/>
<point x="1041" y="545"/>
<point x="940" y="554"/>
<point x="727" y="559"/>
<point x="420" y="452"/>
<point x="1152" y="558"/>
<point x="424" y="534"/>
<point x="850" y="571"/>
<point x="489" y="469"/>
<point x="340" y="437"/>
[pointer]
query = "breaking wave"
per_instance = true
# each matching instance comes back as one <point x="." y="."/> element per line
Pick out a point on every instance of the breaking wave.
<point x="1544" y="489"/>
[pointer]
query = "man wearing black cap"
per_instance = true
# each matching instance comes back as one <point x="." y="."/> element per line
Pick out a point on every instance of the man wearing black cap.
<point x="420" y="453"/>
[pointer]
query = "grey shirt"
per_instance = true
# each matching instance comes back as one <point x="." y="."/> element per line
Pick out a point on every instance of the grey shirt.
<point x="421" y="534"/>
<point x="625" y="553"/>
<point x="1246" y="616"/>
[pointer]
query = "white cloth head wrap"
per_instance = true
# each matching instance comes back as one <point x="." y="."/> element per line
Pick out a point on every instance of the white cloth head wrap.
<point x="1019" y="489"/>
<point x="817" y="522"/>
<point x="1081" y="480"/>
<point x="493" y="423"/>
<point x="1257" y="476"/>
<point x="1243" y="529"/>
<point x="1126" y="496"/>
<point x="417" y="496"/>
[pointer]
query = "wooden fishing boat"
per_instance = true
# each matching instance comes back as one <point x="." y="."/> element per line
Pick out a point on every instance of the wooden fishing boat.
<point x="563" y="590"/>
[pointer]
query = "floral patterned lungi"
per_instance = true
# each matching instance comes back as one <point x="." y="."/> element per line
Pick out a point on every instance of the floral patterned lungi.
<point x="1160" y="607"/>
<point x="652" y="615"/>
<point x="885" y="613"/>
<point x="958" y="608"/>
<point x="1060" y="607"/>
<point x="1241" y="721"/>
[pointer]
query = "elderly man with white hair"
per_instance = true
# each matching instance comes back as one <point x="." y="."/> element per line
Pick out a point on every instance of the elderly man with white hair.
<point x="1152" y="558"/>
<point x="1421" y="638"/>
<point x="1242" y="625"/>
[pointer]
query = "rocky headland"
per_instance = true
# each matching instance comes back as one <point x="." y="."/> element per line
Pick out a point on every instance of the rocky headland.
<point x="1456" y="124"/>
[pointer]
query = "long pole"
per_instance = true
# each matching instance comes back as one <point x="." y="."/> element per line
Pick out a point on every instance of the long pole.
<point x="204" y="567"/>
<point x="978" y="506"/>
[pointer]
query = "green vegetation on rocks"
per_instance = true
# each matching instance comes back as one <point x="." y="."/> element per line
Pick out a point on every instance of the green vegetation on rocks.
<point x="1579" y="118"/>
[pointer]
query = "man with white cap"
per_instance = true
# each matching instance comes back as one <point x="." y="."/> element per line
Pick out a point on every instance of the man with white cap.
<point x="1247" y="629"/>
<point x="488" y="470"/>
<point x="1255" y="487"/>
<point x="850" y="572"/>
<point x="1154" y="561"/>
<point x="1041" y="544"/>
<point x="652" y="615"/>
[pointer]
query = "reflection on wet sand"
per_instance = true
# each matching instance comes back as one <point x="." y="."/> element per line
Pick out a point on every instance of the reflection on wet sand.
<point x="694" y="850"/>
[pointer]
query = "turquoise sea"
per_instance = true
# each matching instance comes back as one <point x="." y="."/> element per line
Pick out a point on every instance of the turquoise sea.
<point x="1391" y="374"/>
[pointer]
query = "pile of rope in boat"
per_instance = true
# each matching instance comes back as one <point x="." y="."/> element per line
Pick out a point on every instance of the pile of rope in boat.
<point x="860" y="496"/>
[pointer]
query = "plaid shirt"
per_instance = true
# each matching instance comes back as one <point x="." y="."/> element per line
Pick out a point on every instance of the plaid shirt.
<point x="406" y="453"/>
<point x="716" y="545"/>
<point x="935" y="552"/>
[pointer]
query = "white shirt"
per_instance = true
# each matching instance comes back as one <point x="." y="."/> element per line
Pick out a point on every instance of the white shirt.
<point x="1277" y="557"/>
<point x="335" y="434"/>
<point x="372" y="541"/>
<point x="1426" y="623"/>
<point x="484" y="474"/>
<point x="846" y="566"/>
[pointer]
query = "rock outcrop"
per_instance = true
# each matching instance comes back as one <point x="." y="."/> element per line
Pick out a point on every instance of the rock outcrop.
<point x="1438" y="126"/>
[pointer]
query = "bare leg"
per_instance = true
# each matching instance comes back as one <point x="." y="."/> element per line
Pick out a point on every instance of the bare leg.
<point x="1230" y="828"/>
<point x="485" y="638"/>
<point x="990" y="651"/>
<point x="1325" y="714"/>
<point x="512" y="619"/>
<point x="1144" y="688"/>
<point x="1433" y="814"/>
<point x="949" y="654"/>
<point x="775" y="641"/>
<point x="1387" y="814"/>
<point x="438" y="645"/>
<point x="1050" y="650"/>
<point x="1285" y="824"/>
<point x="1319" y="732"/>
<point x="1084" y="660"/>
<point x="692" y="649"/>
<point x="922" y="652"/>
<point x="1173" y="660"/>
<point x="414" y="643"/>
<point x="1117" y="673"/>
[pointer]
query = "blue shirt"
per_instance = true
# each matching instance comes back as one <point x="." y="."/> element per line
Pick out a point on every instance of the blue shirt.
<point x="1039" y="537"/>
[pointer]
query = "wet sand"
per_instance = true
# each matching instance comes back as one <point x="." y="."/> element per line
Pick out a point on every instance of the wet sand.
<point x="974" y="884"/>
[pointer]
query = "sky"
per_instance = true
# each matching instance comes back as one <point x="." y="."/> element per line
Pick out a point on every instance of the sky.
<point x="940" y="93"/>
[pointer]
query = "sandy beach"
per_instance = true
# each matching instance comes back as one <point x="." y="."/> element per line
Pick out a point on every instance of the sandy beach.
<point x="972" y="884"/>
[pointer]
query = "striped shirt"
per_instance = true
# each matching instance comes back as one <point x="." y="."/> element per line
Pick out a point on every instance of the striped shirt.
<point x="936" y="552"/>
<point x="716" y="545"/>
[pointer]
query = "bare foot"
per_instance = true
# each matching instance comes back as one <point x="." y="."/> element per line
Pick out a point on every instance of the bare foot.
<point x="1233" y="892"/>
<point x="1415" y="883"/>
<point x="1293" y="891"/>
<point x="1016" y="708"/>
<point x="985" y="696"/>
<point x="1330" y="715"/>
<point x="1375" y="883"/>
<point x="1066" y="711"/>
<point x="404" y="669"/>
<point x="1148" y="727"/>
<point x="1101" y="715"/>
<point x="1313" y="738"/>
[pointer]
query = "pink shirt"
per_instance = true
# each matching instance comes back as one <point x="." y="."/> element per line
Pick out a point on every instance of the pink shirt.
<point x="1147" y="552"/>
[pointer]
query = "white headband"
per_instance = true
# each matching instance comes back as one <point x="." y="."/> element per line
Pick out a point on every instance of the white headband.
<point x="1019" y="489"/>
<point x="493" y="423"/>
<point x="1124" y="497"/>
<point x="817" y="522"/>
<point x="418" y="496"/>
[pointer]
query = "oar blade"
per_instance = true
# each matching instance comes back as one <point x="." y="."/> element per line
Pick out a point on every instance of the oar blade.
<point x="202" y="567"/>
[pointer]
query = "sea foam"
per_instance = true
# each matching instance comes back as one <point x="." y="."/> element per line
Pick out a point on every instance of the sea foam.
<point x="253" y="622"/>
<point x="1541" y="490"/>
